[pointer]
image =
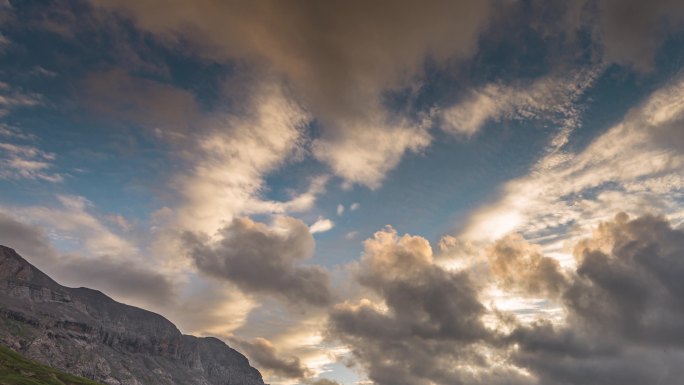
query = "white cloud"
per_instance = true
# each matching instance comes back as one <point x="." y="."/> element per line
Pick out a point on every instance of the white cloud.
<point x="72" y="222"/>
<point x="27" y="162"/>
<point x="231" y="161"/>
<point x="367" y="149"/>
<point x="354" y="206"/>
<point x="628" y="168"/>
<point x="340" y="209"/>
<point x="321" y="225"/>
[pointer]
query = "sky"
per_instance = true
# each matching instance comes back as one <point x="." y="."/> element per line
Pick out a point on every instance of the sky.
<point x="387" y="192"/>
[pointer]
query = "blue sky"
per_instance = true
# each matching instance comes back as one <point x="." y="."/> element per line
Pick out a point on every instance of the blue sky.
<point x="245" y="169"/>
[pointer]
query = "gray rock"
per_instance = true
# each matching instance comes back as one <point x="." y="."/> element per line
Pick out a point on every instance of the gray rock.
<point x="84" y="332"/>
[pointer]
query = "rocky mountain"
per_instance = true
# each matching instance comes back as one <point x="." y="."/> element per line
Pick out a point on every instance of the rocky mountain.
<point x="83" y="332"/>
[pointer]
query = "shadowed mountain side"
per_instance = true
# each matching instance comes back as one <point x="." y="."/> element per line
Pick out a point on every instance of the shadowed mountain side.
<point x="83" y="332"/>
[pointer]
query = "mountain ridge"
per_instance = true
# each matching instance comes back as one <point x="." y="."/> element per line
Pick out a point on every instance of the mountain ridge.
<point x="84" y="332"/>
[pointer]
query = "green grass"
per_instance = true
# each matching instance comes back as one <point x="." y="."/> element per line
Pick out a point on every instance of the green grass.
<point x="18" y="370"/>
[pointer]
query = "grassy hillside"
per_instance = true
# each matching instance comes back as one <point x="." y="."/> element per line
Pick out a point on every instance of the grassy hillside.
<point x="17" y="370"/>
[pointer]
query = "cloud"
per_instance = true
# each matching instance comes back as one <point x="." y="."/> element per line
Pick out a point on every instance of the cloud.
<point x="351" y="235"/>
<point x="231" y="152"/>
<point x="125" y="279"/>
<point x="27" y="240"/>
<point x="321" y="225"/>
<point x="325" y="381"/>
<point x="265" y="355"/>
<point x="624" y="310"/>
<point x="20" y="161"/>
<point x="621" y="321"/>
<point x="169" y="111"/>
<point x="340" y="209"/>
<point x="426" y="324"/>
<point x="19" y="157"/>
<point x="629" y="279"/>
<point x="341" y="60"/>
<point x="518" y="265"/>
<point x="354" y="206"/>
<point x="209" y="307"/>
<point x="235" y="155"/>
<point x="632" y="31"/>
<point x="12" y="98"/>
<point x="364" y="151"/>
<point x="629" y="167"/>
<point x="263" y="260"/>
<point x="551" y="98"/>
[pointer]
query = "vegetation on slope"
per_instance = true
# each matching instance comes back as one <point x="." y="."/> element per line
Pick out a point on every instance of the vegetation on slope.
<point x="18" y="370"/>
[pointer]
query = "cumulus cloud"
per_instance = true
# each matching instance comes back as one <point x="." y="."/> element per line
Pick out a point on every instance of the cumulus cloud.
<point x="518" y="265"/>
<point x="425" y="325"/>
<point x="624" y="310"/>
<point x="266" y="357"/>
<point x="263" y="259"/>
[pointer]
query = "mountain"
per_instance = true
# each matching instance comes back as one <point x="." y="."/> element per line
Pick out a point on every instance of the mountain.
<point x="83" y="332"/>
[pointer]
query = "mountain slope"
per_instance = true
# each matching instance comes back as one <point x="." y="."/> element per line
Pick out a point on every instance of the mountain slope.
<point x="84" y="332"/>
<point x="18" y="370"/>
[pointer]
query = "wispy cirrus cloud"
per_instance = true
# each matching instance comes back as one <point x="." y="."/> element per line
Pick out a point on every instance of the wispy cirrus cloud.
<point x="25" y="161"/>
<point x="552" y="98"/>
<point x="629" y="167"/>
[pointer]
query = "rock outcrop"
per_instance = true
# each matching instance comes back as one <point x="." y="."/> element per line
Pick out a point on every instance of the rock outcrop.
<point x="84" y="332"/>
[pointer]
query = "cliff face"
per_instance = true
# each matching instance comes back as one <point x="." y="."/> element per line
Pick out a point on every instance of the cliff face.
<point x="84" y="332"/>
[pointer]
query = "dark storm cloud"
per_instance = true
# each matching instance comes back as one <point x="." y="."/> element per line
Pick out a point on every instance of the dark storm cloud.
<point x="431" y="331"/>
<point x="630" y="281"/>
<point x="263" y="260"/>
<point x="625" y="311"/>
<point x="120" y="278"/>
<point x="265" y="355"/>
